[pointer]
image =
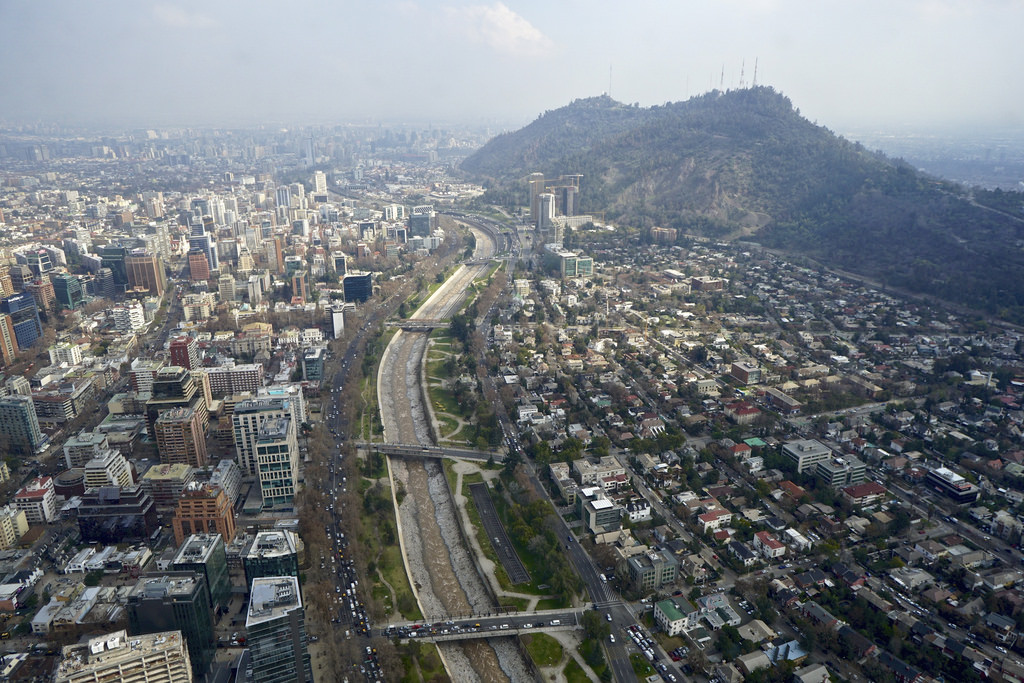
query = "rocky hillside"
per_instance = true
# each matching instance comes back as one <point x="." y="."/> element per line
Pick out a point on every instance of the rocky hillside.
<point x="746" y="164"/>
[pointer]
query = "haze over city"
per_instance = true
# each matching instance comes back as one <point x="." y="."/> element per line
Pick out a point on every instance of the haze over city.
<point x="913" y="65"/>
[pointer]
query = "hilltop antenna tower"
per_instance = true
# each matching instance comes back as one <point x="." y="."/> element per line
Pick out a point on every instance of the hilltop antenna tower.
<point x="721" y="82"/>
<point x="755" y="72"/>
<point x="609" y="80"/>
<point x="743" y="65"/>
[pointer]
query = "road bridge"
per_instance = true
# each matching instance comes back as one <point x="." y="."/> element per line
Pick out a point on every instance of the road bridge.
<point x="436" y="452"/>
<point x="418" y="325"/>
<point x="491" y="626"/>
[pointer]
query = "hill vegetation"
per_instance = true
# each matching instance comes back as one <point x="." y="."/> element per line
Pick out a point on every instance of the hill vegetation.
<point x="745" y="164"/>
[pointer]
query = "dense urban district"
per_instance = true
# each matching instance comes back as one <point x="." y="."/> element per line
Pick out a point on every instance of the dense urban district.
<point x="296" y="405"/>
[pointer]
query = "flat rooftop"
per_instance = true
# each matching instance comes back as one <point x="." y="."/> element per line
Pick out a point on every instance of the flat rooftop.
<point x="274" y="428"/>
<point x="271" y="598"/>
<point x="196" y="548"/>
<point x="108" y="650"/>
<point x="272" y="543"/>
<point x="176" y="471"/>
<point x="159" y="586"/>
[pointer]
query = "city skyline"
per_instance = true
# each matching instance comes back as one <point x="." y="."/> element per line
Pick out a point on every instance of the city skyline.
<point x="924" y="64"/>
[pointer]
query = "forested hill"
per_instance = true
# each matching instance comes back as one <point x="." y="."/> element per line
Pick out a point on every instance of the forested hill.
<point x="745" y="164"/>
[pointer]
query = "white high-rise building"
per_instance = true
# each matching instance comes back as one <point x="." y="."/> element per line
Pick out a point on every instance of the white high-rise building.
<point x="277" y="461"/>
<point x="319" y="182"/>
<point x="108" y="469"/>
<point x="128" y="317"/>
<point x="545" y="211"/>
<point x="65" y="353"/>
<point x="217" y="211"/>
<point x="338" y="321"/>
<point x="283" y="197"/>
<point x="247" y="419"/>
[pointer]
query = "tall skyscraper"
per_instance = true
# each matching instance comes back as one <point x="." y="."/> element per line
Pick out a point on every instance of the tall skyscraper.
<point x="116" y="657"/>
<point x="146" y="271"/>
<point x="6" y="286"/>
<point x="175" y="601"/>
<point x="245" y="261"/>
<point x="536" y="183"/>
<point x="20" y="274"/>
<point x="180" y="437"/>
<point x="277" y="462"/>
<point x="545" y="211"/>
<point x="338" y="320"/>
<point x="103" y="284"/>
<point x="200" y="240"/>
<point x="174" y="387"/>
<point x="205" y="554"/>
<point x="310" y="156"/>
<point x="8" y="340"/>
<point x="198" y="266"/>
<point x="24" y="318"/>
<point x="422" y="220"/>
<point x="39" y="262"/>
<point x="200" y="207"/>
<point x="277" y="632"/>
<point x="226" y="287"/>
<point x="68" y="290"/>
<point x="283" y="197"/>
<point x="247" y="419"/>
<point x="42" y="292"/>
<point x="272" y="553"/>
<point x="340" y="263"/>
<point x="113" y="256"/>
<point x="19" y="426"/>
<point x="300" y="284"/>
<point x="358" y="287"/>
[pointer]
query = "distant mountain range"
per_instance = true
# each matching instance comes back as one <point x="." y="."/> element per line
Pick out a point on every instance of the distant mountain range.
<point x="745" y="164"/>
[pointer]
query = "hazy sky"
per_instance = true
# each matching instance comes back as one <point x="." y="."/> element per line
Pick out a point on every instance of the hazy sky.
<point x="892" y="64"/>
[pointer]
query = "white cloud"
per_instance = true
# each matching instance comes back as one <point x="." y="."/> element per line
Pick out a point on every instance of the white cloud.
<point x="177" y="17"/>
<point x="501" y="29"/>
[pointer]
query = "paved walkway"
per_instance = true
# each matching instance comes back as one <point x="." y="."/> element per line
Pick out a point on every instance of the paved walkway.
<point x="568" y="642"/>
<point x="435" y="353"/>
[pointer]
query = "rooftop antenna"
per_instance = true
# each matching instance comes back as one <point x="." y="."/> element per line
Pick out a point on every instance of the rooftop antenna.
<point x="755" y="72"/>
<point x="743" y="64"/>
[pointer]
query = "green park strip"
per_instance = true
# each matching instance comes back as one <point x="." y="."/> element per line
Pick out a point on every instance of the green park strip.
<point x="379" y="539"/>
<point x="544" y="650"/>
<point x="574" y="673"/>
